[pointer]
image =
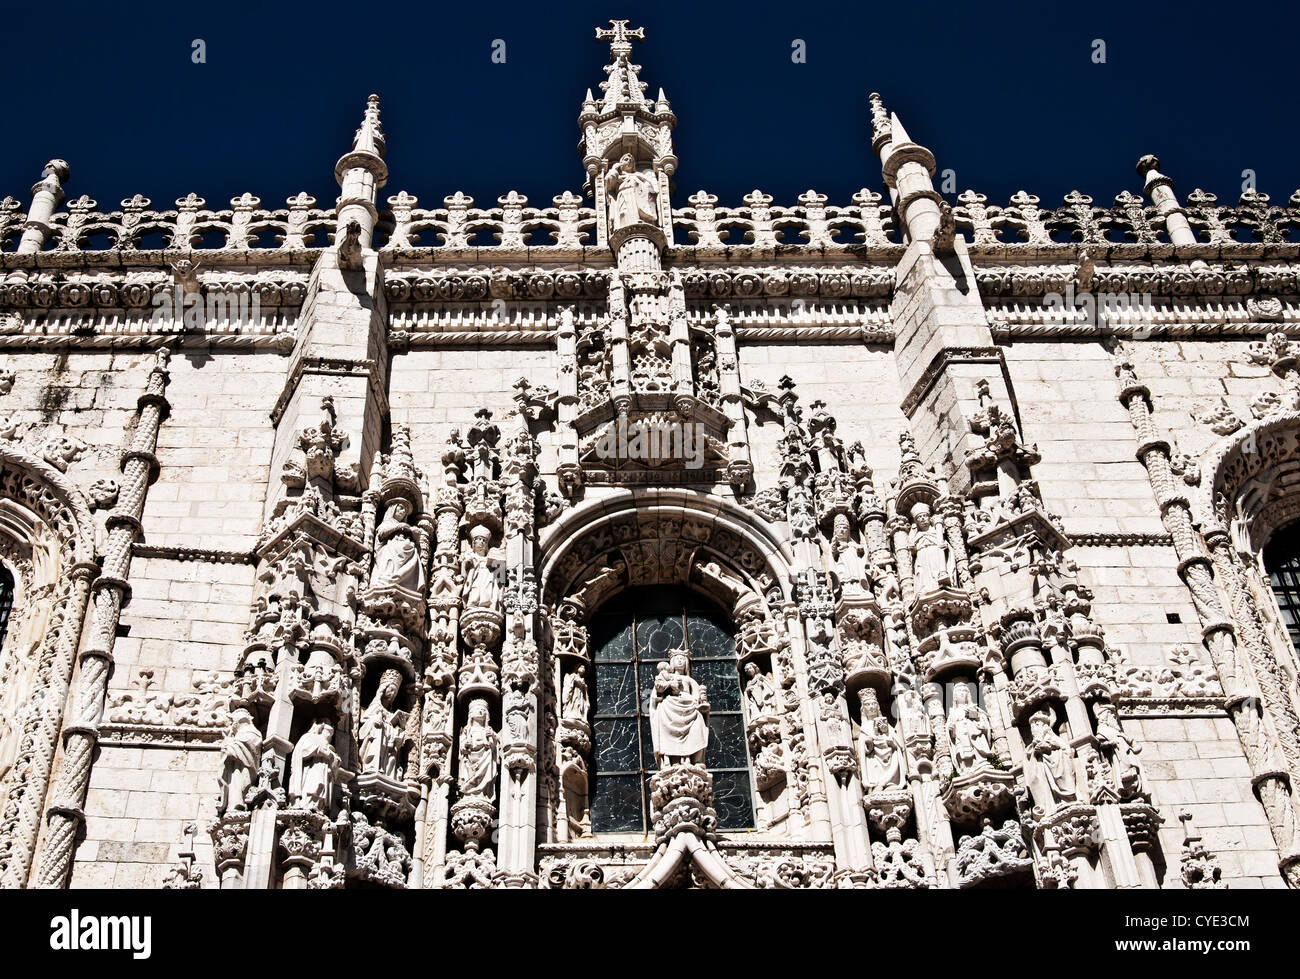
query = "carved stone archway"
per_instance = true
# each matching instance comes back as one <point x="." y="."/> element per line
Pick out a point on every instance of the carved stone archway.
<point x="672" y="537"/>
<point x="47" y="540"/>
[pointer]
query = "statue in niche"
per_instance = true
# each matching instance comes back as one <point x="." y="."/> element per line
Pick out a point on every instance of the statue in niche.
<point x="483" y="576"/>
<point x="632" y="194"/>
<point x="1120" y="750"/>
<point x="883" y="754"/>
<point x="803" y="520"/>
<point x="382" y="729"/>
<point x="398" y="564"/>
<point x="760" y="694"/>
<point x="933" y="565"/>
<point x="315" y="763"/>
<point x="240" y="752"/>
<point x="575" y="699"/>
<point x="678" y="715"/>
<point x="478" y="754"/>
<point x="518" y="710"/>
<point x="837" y="725"/>
<point x="1055" y="760"/>
<point x="970" y="734"/>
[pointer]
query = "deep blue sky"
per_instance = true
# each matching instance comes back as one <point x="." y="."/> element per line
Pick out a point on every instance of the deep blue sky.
<point x="1005" y="95"/>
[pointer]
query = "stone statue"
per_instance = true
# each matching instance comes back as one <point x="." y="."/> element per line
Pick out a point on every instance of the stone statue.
<point x="933" y="566"/>
<point x="382" y="729"/>
<point x="1055" y="760"/>
<point x="970" y="734"/>
<point x="884" y="755"/>
<point x="575" y="700"/>
<point x="760" y="694"/>
<point x="315" y="763"/>
<point x="478" y="754"/>
<point x="240" y="752"/>
<point x="679" y="714"/>
<point x="397" y="563"/>
<point x="1120" y="750"/>
<point x="483" y="584"/>
<point x="518" y="710"/>
<point x="631" y="194"/>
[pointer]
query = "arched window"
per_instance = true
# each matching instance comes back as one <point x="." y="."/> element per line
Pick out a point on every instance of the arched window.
<point x="1282" y="561"/>
<point x="630" y="636"/>
<point x="6" y="601"/>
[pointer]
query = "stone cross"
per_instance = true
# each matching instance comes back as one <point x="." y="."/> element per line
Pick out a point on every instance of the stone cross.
<point x="619" y="36"/>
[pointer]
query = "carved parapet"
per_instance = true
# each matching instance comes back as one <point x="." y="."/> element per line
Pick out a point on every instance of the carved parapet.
<point x="471" y="819"/>
<point x="975" y="796"/>
<point x="681" y="801"/>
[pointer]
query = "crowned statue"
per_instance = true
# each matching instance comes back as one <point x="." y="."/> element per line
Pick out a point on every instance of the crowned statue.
<point x="679" y="714"/>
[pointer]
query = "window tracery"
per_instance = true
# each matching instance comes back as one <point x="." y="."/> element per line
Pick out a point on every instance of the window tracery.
<point x="633" y="637"/>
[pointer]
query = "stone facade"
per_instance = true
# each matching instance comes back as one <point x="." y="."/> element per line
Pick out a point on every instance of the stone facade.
<point x="308" y="511"/>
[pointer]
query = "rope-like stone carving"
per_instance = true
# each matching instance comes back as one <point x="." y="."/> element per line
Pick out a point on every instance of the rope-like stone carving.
<point x="82" y="731"/>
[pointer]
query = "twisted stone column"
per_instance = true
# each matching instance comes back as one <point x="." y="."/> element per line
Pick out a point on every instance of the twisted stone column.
<point x="1259" y="738"/>
<point x="23" y="807"/>
<point x="111" y="589"/>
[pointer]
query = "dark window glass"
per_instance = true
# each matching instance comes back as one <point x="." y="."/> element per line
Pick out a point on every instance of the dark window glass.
<point x="6" y="600"/>
<point x="630" y="636"/>
<point x="1282" y="560"/>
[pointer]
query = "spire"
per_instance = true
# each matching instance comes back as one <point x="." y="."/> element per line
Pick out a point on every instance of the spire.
<point x="623" y="86"/>
<point x="880" y="124"/>
<point x="907" y="168"/>
<point x="370" y="138"/>
<point x="624" y="132"/>
<point x="360" y="173"/>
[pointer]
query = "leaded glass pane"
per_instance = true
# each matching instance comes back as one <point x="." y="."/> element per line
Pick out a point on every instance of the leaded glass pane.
<point x="1282" y="559"/>
<point x="615" y="644"/>
<point x="632" y="637"/>
<point x="732" y="800"/>
<point x="657" y="637"/>
<point x="616" y="803"/>
<point x="615" y="688"/>
<point x="708" y="640"/>
<point x="726" y="742"/>
<point x="721" y="685"/>
<point x="6" y="600"/>
<point x="617" y="745"/>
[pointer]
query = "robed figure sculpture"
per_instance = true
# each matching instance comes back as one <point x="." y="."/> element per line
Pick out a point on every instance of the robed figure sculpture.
<point x="679" y="715"/>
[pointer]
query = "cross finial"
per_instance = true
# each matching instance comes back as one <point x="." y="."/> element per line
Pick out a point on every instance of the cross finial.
<point x="620" y="36"/>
